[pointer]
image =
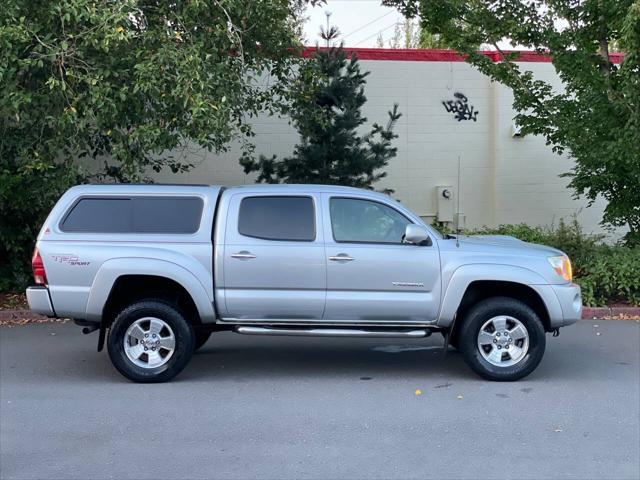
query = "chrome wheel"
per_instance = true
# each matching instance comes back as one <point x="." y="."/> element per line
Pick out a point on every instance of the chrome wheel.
<point x="503" y="341"/>
<point x="149" y="342"/>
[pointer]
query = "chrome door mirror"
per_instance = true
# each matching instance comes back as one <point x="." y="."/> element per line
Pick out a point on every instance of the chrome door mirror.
<point x="417" y="235"/>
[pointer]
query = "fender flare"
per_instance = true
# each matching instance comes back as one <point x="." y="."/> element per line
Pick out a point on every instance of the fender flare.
<point x="464" y="275"/>
<point x="114" y="268"/>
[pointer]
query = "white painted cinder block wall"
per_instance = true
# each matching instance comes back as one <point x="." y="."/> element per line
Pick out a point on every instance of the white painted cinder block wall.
<point x="503" y="179"/>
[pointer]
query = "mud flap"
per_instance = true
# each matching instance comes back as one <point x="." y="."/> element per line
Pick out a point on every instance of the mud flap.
<point x="101" y="335"/>
<point x="445" y="345"/>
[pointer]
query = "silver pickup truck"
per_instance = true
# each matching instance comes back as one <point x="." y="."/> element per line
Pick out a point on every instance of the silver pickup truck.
<point x="157" y="268"/>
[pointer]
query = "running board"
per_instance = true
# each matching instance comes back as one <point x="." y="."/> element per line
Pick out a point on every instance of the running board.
<point x="332" y="332"/>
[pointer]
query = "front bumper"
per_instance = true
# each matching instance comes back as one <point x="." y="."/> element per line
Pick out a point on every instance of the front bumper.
<point x="40" y="301"/>
<point x="570" y="301"/>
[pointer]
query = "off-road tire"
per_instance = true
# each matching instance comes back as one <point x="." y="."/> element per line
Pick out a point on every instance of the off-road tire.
<point x="494" y="307"/>
<point x="182" y="330"/>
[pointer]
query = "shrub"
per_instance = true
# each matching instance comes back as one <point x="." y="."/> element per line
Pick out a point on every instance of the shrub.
<point x="26" y="197"/>
<point x="611" y="274"/>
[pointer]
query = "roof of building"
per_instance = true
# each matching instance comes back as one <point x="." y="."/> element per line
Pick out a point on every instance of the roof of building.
<point x="436" y="55"/>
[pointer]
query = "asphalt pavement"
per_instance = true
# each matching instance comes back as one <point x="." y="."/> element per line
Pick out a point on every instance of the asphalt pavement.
<point x="282" y="407"/>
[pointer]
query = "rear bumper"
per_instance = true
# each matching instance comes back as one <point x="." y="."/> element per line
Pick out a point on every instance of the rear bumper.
<point x="570" y="301"/>
<point x="40" y="301"/>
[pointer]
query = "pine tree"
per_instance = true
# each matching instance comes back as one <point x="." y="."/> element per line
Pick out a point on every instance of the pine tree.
<point x="326" y="111"/>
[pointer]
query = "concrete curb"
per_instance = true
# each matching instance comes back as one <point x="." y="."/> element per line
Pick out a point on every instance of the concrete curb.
<point x="600" y="312"/>
<point x="587" y="313"/>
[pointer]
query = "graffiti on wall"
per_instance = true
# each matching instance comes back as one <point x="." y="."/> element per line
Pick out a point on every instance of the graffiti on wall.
<point x="460" y="108"/>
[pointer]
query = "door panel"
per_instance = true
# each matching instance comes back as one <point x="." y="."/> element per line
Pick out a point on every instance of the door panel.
<point x="273" y="279"/>
<point x="282" y="281"/>
<point x="382" y="281"/>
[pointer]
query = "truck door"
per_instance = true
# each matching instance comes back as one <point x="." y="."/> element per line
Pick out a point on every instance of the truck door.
<point x="371" y="275"/>
<point x="274" y="264"/>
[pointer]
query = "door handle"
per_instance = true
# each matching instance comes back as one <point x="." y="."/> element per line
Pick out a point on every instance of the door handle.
<point x="243" y="255"/>
<point x="341" y="257"/>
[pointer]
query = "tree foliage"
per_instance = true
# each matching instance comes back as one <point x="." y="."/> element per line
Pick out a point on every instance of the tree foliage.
<point x="405" y="35"/>
<point x="114" y="85"/>
<point x="411" y="34"/>
<point x="596" y="117"/>
<point x="328" y="95"/>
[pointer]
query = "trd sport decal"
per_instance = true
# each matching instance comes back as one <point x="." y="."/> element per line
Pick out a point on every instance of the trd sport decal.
<point x="69" y="259"/>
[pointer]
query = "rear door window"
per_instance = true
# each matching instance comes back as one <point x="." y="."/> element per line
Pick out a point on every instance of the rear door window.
<point x="169" y="215"/>
<point x="278" y="218"/>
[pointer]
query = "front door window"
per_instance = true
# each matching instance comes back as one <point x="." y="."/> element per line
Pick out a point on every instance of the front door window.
<point x="365" y="221"/>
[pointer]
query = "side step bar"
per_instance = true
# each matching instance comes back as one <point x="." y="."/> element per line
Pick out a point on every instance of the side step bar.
<point x="333" y="332"/>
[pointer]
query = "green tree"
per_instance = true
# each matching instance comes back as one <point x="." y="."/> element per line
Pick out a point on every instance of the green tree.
<point x="596" y="117"/>
<point x="328" y="95"/>
<point x="410" y="34"/>
<point x="405" y="35"/>
<point x="114" y="85"/>
<point x="427" y="39"/>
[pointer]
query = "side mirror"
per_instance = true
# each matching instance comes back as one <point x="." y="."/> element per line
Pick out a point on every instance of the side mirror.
<point x="417" y="235"/>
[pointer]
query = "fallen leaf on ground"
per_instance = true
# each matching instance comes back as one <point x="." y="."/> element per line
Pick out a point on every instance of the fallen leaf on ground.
<point x="13" y="301"/>
<point x="16" y="322"/>
<point x="622" y="316"/>
<point x="418" y="391"/>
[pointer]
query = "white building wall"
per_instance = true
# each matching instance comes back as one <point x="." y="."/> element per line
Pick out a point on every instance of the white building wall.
<point x="503" y="179"/>
<point x="528" y="185"/>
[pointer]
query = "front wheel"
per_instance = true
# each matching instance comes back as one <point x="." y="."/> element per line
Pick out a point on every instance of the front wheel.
<point x="150" y="342"/>
<point x="502" y="339"/>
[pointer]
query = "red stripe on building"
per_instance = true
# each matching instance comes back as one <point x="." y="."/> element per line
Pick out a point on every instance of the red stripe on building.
<point x="433" y="55"/>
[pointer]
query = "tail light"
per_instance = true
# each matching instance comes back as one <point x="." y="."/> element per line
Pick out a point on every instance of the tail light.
<point x="39" y="275"/>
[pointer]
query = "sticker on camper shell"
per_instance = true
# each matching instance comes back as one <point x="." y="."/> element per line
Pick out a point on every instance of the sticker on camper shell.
<point x="69" y="259"/>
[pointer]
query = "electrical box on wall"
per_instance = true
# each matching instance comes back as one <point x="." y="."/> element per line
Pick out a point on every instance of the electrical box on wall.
<point x="516" y="130"/>
<point x="445" y="203"/>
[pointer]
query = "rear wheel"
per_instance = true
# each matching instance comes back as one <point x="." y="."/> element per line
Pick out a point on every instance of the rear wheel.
<point x="502" y="339"/>
<point x="150" y="341"/>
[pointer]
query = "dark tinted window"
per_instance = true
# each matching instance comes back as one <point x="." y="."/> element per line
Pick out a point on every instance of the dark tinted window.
<point x="166" y="215"/>
<point x="135" y="215"/>
<point x="354" y="220"/>
<point x="277" y="218"/>
<point x="99" y="215"/>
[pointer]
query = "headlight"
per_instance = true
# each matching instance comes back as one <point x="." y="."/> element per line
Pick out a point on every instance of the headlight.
<point x="562" y="266"/>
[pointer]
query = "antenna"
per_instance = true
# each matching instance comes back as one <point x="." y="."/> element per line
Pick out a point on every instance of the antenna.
<point x="328" y="14"/>
<point x="458" y="206"/>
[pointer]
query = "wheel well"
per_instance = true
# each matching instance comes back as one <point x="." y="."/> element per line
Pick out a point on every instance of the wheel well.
<point x="483" y="289"/>
<point x="130" y="288"/>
